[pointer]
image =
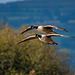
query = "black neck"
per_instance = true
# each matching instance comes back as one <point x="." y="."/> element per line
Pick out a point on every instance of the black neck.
<point x="38" y="35"/>
<point x="36" y="27"/>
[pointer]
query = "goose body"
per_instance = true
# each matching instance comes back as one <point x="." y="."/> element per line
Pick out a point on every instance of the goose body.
<point x="44" y="38"/>
<point x="44" y="29"/>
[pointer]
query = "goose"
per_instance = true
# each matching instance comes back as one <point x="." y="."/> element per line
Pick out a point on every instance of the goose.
<point x="44" y="38"/>
<point x="44" y="29"/>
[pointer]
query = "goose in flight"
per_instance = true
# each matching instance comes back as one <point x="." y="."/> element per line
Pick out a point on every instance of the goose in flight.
<point x="44" y="38"/>
<point x="44" y="29"/>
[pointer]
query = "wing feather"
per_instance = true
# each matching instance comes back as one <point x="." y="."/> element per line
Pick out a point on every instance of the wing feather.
<point x="29" y="28"/>
<point x="56" y="27"/>
<point x="28" y="38"/>
<point x="49" y="35"/>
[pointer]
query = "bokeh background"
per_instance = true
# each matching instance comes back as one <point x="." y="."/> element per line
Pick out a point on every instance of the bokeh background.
<point x="43" y="12"/>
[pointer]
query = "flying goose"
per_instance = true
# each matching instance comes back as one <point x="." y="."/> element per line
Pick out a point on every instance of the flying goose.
<point x="44" y="29"/>
<point x="44" y="38"/>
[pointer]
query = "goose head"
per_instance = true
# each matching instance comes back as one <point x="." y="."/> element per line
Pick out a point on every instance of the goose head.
<point x="34" y="27"/>
<point x="38" y="36"/>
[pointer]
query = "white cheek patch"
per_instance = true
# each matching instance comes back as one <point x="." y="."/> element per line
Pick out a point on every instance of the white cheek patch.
<point x="40" y="28"/>
<point x="43" y="36"/>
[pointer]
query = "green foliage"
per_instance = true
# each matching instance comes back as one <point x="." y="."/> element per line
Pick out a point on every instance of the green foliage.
<point x="30" y="55"/>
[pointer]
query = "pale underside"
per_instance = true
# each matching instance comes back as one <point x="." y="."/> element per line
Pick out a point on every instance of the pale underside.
<point x="46" y="40"/>
<point x="45" y="30"/>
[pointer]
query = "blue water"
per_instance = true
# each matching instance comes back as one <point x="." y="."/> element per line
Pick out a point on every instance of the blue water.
<point x="42" y="12"/>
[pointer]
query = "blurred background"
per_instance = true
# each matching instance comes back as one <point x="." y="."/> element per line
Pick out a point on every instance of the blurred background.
<point x="43" y="12"/>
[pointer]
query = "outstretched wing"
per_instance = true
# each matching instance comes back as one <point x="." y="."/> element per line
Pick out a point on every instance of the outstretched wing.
<point x="29" y="28"/>
<point x="28" y="38"/>
<point x="55" y="27"/>
<point x="49" y="35"/>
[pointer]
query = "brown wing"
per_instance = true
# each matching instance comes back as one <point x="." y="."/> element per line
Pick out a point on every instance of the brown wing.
<point x="28" y="38"/>
<point x="55" y="27"/>
<point x="29" y="28"/>
<point x="49" y="35"/>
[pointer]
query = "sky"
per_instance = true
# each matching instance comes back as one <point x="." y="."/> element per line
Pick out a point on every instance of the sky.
<point x="6" y="1"/>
